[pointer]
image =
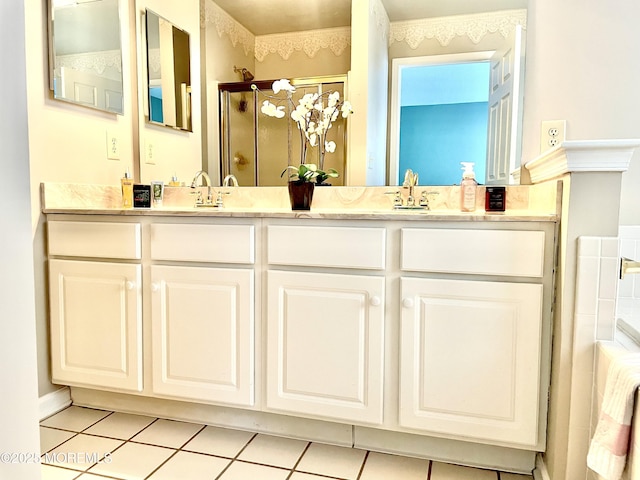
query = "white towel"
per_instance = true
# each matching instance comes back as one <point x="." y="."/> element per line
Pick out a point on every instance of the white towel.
<point x="610" y="444"/>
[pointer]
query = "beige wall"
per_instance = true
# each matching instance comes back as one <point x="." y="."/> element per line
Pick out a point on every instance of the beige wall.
<point x="582" y="66"/>
<point x="325" y="62"/>
<point x="67" y="143"/>
<point x="19" y="399"/>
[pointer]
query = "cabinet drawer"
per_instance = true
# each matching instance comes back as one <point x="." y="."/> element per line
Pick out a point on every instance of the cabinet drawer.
<point x="203" y="243"/>
<point x="94" y="239"/>
<point x="340" y="247"/>
<point x="488" y="252"/>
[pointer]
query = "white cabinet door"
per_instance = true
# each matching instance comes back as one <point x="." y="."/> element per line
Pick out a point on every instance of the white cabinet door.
<point x="203" y="333"/>
<point x="470" y="359"/>
<point x="325" y="345"/>
<point x="96" y="324"/>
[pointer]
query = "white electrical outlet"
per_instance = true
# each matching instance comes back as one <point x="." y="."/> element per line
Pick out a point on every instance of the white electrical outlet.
<point x="113" y="146"/>
<point x="149" y="153"/>
<point x="552" y="134"/>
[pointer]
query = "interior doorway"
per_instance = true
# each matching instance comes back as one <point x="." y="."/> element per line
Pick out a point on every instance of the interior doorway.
<point x="439" y="117"/>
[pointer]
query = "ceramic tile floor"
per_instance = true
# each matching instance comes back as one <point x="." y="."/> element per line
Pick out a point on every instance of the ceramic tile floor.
<point x="89" y="444"/>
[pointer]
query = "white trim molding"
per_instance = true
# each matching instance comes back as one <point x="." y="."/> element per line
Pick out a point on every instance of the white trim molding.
<point x="541" y="472"/>
<point x="445" y="29"/>
<point x="307" y="41"/>
<point x="53" y="402"/>
<point x="225" y="24"/>
<point x="582" y="156"/>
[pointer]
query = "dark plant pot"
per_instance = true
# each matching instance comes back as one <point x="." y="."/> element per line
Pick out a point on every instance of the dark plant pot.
<point x="300" y="195"/>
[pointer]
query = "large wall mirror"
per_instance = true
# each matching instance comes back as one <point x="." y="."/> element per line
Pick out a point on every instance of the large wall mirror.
<point x="168" y="73"/>
<point x="489" y="30"/>
<point x="85" y="53"/>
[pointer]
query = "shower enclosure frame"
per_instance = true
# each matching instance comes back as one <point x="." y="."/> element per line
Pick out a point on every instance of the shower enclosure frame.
<point x="224" y="94"/>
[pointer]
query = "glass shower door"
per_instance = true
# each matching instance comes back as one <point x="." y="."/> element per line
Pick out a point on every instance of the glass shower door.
<point x="257" y="148"/>
<point x="237" y="136"/>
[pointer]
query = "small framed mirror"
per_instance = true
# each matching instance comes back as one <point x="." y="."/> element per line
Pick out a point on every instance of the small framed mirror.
<point x="85" y="53"/>
<point x="168" y="73"/>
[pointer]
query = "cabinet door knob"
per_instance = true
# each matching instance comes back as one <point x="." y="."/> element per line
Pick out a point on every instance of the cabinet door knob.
<point x="155" y="287"/>
<point x="407" y="303"/>
<point x="375" y="301"/>
<point x="130" y="285"/>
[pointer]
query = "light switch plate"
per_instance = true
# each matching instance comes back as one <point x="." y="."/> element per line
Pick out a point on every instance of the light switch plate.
<point x="149" y="153"/>
<point x="113" y="146"/>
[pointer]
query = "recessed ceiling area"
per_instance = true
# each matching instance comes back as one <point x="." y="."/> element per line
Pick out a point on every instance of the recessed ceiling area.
<point x="265" y="17"/>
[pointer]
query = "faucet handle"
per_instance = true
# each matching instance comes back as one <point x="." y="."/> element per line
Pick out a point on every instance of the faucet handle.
<point x="198" y="194"/>
<point x="424" y="198"/>
<point x="397" y="199"/>
<point x="219" y="200"/>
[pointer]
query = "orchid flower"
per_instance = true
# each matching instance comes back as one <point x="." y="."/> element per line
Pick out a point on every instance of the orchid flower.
<point x="313" y="114"/>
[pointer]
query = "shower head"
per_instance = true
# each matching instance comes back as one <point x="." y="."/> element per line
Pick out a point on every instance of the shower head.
<point x="247" y="76"/>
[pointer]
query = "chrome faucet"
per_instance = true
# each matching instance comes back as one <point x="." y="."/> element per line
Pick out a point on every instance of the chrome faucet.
<point x="230" y="179"/>
<point x="410" y="181"/>
<point x="207" y="181"/>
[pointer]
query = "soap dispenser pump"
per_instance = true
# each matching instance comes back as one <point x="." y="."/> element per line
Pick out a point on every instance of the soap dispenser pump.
<point x="468" y="188"/>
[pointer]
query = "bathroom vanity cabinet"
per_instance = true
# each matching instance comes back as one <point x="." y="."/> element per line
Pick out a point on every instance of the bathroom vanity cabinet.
<point x="95" y="285"/>
<point x="469" y="346"/>
<point x="436" y="329"/>
<point x="202" y="315"/>
<point x="325" y="321"/>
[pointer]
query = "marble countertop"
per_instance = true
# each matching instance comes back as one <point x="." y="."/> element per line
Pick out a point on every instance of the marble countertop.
<point x="420" y="215"/>
<point x="355" y="203"/>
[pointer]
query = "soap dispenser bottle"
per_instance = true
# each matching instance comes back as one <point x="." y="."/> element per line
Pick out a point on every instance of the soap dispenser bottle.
<point x="468" y="188"/>
<point x="127" y="190"/>
<point x="174" y="181"/>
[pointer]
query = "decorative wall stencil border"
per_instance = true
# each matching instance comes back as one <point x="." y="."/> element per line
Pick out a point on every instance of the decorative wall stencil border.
<point x="382" y="19"/>
<point x="444" y="29"/>
<point x="92" y="61"/>
<point x="225" y="24"/>
<point x="153" y="60"/>
<point x="309" y="41"/>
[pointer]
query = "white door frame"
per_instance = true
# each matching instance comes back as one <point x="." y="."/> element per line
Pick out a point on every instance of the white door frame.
<point x="397" y="65"/>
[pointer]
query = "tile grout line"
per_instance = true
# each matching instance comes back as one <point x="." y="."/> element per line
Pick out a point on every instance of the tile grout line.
<point x="364" y="461"/>
<point x="175" y="450"/>
<point x="236" y="456"/>
<point x="297" y="462"/>
<point x="124" y="442"/>
<point x="75" y="434"/>
<point x="291" y="471"/>
<point x="86" y="470"/>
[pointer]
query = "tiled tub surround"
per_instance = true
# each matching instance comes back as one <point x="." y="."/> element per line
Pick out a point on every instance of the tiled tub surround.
<point x="601" y="301"/>
<point x="596" y="287"/>
<point x="370" y="271"/>
<point x="142" y="447"/>
<point x="628" y="307"/>
<point x="627" y="319"/>
<point x="525" y="201"/>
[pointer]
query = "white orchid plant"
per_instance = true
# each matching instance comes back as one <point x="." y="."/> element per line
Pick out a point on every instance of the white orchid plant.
<point x="313" y="115"/>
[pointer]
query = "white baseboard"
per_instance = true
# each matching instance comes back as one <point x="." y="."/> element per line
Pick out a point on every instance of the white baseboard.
<point x="53" y="402"/>
<point x="541" y="472"/>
